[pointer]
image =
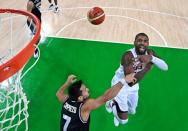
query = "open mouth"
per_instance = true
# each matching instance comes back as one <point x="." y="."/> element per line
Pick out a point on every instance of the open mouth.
<point x="142" y="48"/>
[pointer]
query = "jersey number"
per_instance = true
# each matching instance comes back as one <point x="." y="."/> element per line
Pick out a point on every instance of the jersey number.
<point x="67" y="119"/>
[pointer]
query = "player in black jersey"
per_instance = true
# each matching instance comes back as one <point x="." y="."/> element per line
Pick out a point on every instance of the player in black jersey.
<point x="54" y="6"/>
<point x="33" y="6"/>
<point x="75" y="114"/>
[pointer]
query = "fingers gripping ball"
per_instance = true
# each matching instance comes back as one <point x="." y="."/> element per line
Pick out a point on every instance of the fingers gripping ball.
<point x="96" y="15"/>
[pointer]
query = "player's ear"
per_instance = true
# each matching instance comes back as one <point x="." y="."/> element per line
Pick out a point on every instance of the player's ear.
<point x="80" y="98"/>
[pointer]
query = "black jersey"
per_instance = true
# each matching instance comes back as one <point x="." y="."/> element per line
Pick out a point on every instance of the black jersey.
<point x="70" y="117"/>
<point x="36" y="8"/>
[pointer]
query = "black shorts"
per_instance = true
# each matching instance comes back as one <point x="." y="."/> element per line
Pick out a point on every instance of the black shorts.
<point x="37" y="13"/>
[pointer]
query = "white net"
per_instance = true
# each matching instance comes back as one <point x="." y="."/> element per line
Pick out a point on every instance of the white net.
<point x="15" y="34"/>
<point x="13" y="104"/>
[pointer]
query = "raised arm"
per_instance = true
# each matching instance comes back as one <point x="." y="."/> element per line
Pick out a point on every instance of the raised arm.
<point x="60" y="93"/>
<point x="108" y="95"/>
<point x="149" y="60"/>
<point x="153" y="58"/>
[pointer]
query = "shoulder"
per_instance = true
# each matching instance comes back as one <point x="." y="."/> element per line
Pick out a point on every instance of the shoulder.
<point x="127" y="57"/>
<point x="127" y="54"/>
<point x="88" y="105"/>
<point x="88" y="102"/>
<point x="67" y="98"/>
<point x="85" y="111"/>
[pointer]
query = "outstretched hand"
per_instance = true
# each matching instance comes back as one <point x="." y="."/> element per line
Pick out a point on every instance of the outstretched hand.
<point x="71" y="79"/>
<point x="130" y="78"/>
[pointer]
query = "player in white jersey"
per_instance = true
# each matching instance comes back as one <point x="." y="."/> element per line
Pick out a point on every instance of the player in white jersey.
<point x="139" y="60"/>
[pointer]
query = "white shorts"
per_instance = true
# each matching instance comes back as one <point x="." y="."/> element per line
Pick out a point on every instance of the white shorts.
<point x="127" y="98"/>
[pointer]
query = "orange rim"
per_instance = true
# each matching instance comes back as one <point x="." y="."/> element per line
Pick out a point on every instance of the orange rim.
<point x="17" y="62"/>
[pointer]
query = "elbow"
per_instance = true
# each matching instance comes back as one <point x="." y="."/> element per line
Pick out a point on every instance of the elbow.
<point x="165" y="67"/>
<point x="57" y="95"/>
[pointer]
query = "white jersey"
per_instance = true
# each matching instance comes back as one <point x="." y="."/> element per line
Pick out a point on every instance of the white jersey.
<point x="137" y="65"/>
<point x="127" y="98"/>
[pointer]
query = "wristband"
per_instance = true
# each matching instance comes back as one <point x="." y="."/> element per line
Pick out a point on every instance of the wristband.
<point x="123" y="82"/>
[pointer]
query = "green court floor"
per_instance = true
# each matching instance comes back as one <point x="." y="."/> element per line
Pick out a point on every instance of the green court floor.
<point x="163" y="95"/>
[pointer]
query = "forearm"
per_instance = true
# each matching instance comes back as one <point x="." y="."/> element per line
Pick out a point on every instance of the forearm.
<point x="113" y="91"/>
<point x="157" y="61"/>
<point x="141" y="74"/>
<point x="62" y="88"/>
<point x="161" y="64"/>
<point x="108" y="95"/>
<point x="60" y="93"/>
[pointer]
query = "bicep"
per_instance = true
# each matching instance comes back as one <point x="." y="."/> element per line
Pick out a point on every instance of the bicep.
<point x="127" y="63"/>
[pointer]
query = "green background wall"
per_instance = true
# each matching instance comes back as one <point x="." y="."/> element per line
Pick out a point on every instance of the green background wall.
<point x="162" y="97"/>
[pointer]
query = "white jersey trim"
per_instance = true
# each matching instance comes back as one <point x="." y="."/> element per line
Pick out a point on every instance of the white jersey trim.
<point x="81" y="116"/>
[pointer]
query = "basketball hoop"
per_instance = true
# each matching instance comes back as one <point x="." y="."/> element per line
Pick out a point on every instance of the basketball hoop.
<point x="17" y="47"/>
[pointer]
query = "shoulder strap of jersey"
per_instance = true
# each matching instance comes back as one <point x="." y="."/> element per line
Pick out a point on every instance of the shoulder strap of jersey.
<point x="133" y="52"/>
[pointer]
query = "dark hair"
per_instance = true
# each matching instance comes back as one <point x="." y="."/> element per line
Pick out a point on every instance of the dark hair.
<point x="74" y="90"/>
<point x="141" y="34"/>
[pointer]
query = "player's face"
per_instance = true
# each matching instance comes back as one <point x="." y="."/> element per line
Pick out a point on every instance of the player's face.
<point x="85" y="91"/>
<point x="141" y="44"/>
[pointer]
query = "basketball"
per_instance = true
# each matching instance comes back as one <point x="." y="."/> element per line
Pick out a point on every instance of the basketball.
<point x="96" y="15"/>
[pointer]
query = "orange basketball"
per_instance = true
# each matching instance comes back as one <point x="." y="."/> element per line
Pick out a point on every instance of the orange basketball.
<point x="96" y="15"/>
